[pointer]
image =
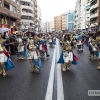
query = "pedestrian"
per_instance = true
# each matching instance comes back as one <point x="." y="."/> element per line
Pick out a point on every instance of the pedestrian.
<point x="12" y="45"/>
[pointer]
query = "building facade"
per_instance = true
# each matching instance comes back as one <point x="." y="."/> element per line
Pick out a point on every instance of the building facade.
<point x="88" y="15"/>
<point x="44" y="27"/>
<point x="77" y="19"/>
<point x="27" y="15"/>
<point x="35" y="15"/>
<point x="94" y="14"/>
<point x="63" y="22"/>
<point x="52" y="28"/>
<point x="83" y="14"/>
<point x="39" y="19"/>
<point x="9" y="14"/>
<point x="70" y="20"/>
<point x="57" y="23"/>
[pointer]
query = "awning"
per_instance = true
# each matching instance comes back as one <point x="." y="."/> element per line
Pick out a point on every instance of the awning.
<point x="87" y="7"/>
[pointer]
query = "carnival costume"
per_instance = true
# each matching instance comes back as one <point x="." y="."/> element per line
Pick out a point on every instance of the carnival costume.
<point x="34" y="56"/>
<point x="98" y="49"/>
<point x="67" y="56"/>
<point x="21" y="53"/>
<point x="5" y="61"/>
<point x="93" y="49"/>
<point x="79" y="44"/>
<point x="52" y="40"/>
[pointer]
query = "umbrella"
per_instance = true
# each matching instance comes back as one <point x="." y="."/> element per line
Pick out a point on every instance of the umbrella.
<point x="2" y="30"/>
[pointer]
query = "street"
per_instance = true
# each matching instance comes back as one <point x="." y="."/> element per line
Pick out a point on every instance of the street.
<point x="52" y="83"/>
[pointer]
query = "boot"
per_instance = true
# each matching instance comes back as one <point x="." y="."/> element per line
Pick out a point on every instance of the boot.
<point x="4" y="73"/>
<point x="22" y="57"/>
<point x="37" y="69"/>
<point x="47" y="54"/>
<point x="94" y="57"/>
<point x="64" y="67"/>
<point x="1" y="72"/>
<point x="68" y="68"/>
<point x="32" y="70"/>
<point x="98" y="66"/>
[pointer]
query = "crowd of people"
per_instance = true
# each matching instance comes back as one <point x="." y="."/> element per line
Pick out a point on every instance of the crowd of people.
<point x="77" y="40"/>
<point x="34" y="47"/>
<point x="26" y="46"/>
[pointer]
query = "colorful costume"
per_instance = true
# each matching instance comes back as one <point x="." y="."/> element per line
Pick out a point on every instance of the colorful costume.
<point x="79" y="44"/>
<point x="34" y="56"/>
<point x="21" y="50"/>
<point x="98" y="49"/>
<point x="67" y="57"/>
<point x="5" y="62"/>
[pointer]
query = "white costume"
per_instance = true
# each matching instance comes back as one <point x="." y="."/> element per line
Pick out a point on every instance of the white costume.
<point x="67" y="56"/>
<point x="32" y="50"/>
<point x="3" y="57"/>
<point x="20" y="45"/>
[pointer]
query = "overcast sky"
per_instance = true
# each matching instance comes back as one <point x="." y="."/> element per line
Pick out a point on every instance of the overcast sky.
<point x="51" y="8"/>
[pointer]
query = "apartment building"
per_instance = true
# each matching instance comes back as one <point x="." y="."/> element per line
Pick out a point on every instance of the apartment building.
<point x="27" y="15"/>
<point x="87" y="14"/>
<point x="52" y="28"/>
<point x="57" y="23"/>
<point x="94" y="14"/>
<point x="63" y="22"/>
<point x="77" y="19"/>
<point x="39" y="19"/>
<point x="70" y="20"/>
<point x="83" y="14"/>
<point x="35" y="13"/>
<point x="9" y="13"/>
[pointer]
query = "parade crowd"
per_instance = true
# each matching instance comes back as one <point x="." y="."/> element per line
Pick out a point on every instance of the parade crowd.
<point x="34" y="47"/>
<point x="27" y="45"/>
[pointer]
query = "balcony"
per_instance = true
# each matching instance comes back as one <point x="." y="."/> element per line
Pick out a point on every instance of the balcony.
<point x="26" y="14"/>
<point x="30" y="1"/>
<point x="95" y="5"/>
<point x="27" y="8"/>
<point x="27" y="21"/>
<point x="94" y="24"/>
<point x="94" y="15"/>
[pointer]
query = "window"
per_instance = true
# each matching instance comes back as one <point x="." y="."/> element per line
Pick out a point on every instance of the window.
<point x="17" y="2"/>
<point x="6" y="6"/>
<point x="13" y="9"/>
<point x="0" y="3"/>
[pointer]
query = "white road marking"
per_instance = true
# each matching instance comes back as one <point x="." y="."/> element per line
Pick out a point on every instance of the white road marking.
<point x="49" y="92"/>
<point x="60" y="91"/>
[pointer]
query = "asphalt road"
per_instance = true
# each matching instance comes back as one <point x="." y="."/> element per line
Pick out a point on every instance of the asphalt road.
<point x="81" y="78"/>
<point x="22" y="85"/>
